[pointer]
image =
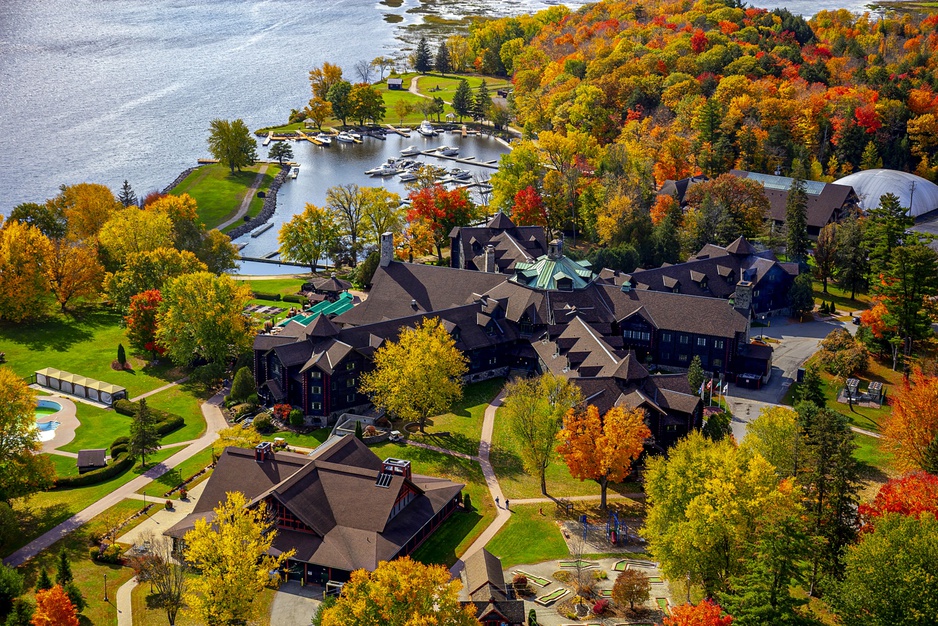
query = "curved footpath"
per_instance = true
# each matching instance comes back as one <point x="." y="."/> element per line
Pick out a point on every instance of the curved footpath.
<point x="214" y="421"/>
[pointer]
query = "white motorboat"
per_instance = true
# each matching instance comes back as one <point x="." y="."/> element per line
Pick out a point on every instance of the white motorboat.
<point x="344" y="137"/>
<point x="355" y="136"/>
<point x="426" y="129"/>
<point x="295" y="172"/>
<point x="324" y="139"/>
<point x="385" y="169"/>
<point x="407" y="177"/>
<point x="459" y="174"/>
<point x="447" y="150"/>
<point x="410" y="151"/>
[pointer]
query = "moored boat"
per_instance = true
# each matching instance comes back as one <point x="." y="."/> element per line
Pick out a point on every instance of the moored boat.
<point x="426" y="129"/>
<point x="325" y="139"/>
<point x="410" y="151"/>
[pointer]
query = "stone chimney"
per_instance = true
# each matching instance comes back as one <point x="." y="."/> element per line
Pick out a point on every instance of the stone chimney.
<point x="387" y="249"/>
<point x="489" y="265"/>
<point x="742" y="298"/>
<point x="263" y="451"/>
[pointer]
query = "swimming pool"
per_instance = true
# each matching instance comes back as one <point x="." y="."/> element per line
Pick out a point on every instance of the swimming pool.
<point x="45" y="427"/>
<point x="47" y="407"/>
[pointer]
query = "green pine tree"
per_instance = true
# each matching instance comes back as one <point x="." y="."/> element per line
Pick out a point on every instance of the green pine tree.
<point x="126" y="196"/>
<point x="482" y="102"/>
<point x="796" y="223"/>
<point x="359" y="432"/>
<point x="871" y="159"/>
<point x="144" y="436"/>
<point x="423" y="60"/>
<point x="695" y="375"/>
<point x="852" y="255"/>
<point x="886" y="226"/>
<point x="63" y="569"/>
<point x="121" y="354"/>
<point x="930" y="463"/>
<point x="462" y="99"/>
<point x="442" y="59"/>
<point x="801" y="296"/>
<point x="811" y="389"/>
<point x="43" y="582"/>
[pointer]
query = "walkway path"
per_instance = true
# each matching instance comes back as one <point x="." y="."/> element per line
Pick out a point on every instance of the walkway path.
<point x="246" y="201"/>
<point x="214" y="421"/>
<point x="125" y="603"/>
<point x="502" y="515"/>
<point x="159" y="389"/>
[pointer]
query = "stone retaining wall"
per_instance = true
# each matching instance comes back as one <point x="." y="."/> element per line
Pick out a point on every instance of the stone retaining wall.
<point x="270" y="205"/>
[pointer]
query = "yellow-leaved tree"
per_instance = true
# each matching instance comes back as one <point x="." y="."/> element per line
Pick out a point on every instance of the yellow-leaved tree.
<point x="309" y="235"/>
<point x="86" y="206"/>
<point x="23" y="281"/>
<point x="402" y="592"/>
<point x="230" y="554"/>
<point x="133" y="230"/>
<point x="419" y="375"/>
<point x="602" y="449"/>
<point x="22" y="469"/>
<point x="73" y="271"/>
<point x="237" y="436"/>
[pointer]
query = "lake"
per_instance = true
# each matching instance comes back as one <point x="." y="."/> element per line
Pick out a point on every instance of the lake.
<point x="103" y="91"/>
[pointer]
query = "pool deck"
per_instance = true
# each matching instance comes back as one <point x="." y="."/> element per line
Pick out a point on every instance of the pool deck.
<point x="68" y="422"/>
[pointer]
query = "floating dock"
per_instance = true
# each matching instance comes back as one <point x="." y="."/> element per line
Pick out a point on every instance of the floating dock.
<point x="465" y="160"/>
<point x="263" y="229"/>
<point x="308" y="138"/>
<point x="400" y="132"/>
<point x="270" y="136"/>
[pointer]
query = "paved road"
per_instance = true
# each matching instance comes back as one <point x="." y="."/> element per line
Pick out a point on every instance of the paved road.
<point x="214" y="420"/>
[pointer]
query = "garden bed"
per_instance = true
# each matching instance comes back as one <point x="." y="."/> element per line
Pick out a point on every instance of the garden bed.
<point x="581" y="563"/>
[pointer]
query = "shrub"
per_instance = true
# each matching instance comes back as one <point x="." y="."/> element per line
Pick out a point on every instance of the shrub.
<point x="562" y="576"/>
<point x="243" y="385"/>
<point x="121" y="354"/>
<point x="111" y="554"/>
<point x="370" y="431"/>
<point x="118" y="450"/>
<point x="467" y="502"/>
<point x="600" y="574"/>
<point x="183" y="493"/>
<point x="519" y="582"/>
<point x="208" y="374"/>
<point x="600" y="607"/>
<point x="94" y="552"/>
<point x="168" y="505"/>
<point x="359" y="432"/>
<point x="261" y="295"/>
<point x="296" y="417"/>
<point x="282" y="412"/>
<point x="253" y="399"/>
<point x="294" y="298"/>
<point x="11" y="586"/>
<point x="842" y="355"/>
<point x="262" y="424"/>
<point x="532" y="618"/>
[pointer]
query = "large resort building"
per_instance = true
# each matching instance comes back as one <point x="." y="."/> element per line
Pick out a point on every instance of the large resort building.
<point x="547" y="313"/>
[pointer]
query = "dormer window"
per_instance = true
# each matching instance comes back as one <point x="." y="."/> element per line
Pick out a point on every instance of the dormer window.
<point x="565" y="284"/>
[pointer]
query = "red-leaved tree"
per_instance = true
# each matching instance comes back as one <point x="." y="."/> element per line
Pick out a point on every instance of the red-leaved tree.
<point x="913" y="424"/>
<point x="529" y="209"/>
<point x="441" y="210"/>
<point x="53" y="608"/>
<point x="141" y="321"/>
<point x="707" y="613"/>
<point x="912" y="495"/>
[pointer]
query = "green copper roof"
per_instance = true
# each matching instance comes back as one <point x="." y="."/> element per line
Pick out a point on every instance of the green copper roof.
<point x="554" y="271"/>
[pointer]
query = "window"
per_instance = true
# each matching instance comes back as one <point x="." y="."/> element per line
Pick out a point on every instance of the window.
<point x="718" y="344"/>
<point x="350" y="366"/>
<point x="637" y="335"/>
<point x="717" y="362"/>
<point x="666" y="337"/>
<point x="755" y="294"/>
<point x="350" y="397"/>
<point x="685" y="339"/>
<point x="315" y="374"/>
<point x="316" y="406"/>
<point x="350" y="382"/>
<point x="671" y="428"/>
<point x="665" y="356"/>
<point x="682" y="358"/>
<point x="316" y="389"/>
<point x="702" y="341"/>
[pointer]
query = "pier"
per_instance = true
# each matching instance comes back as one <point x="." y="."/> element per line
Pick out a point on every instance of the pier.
<point x="464" y="160"/>
<point x="272" y="262"/>
<point x="398" y="131"/>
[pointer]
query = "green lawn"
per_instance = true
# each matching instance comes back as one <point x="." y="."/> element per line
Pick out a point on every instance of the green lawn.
<point x="186" y="401"/>
<point x="88" y="575"/>
<point x="870" y="453"/>
<point x="445" y="86"/>
<point x="181" y="472"/>
<point x="85" y="344"/>
<point x="840" y="298"/>
<point x="464" y="423"/>
<point x="463" y="527"/>
<point x="219" y="193"/>
<point x="518" y="483"/>
<point x="528" y="537"/>
<point x="145" y="615"/>
<point x="99" y="428"/>
<point x="283" y="286"/>
<point x="42" y="511"/>
<point x="309" y="440"/>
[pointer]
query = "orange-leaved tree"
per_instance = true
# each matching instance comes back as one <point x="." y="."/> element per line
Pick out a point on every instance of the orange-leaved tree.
<point x="912" y="495"/>
<point x="53" y="608"/>
<point x="913" y="424"/>
<point x="602" y="449"/>
<point x="707" y="613"/>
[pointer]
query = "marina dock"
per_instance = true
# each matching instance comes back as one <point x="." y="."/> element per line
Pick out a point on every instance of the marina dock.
<point x="270" y="136"/>
<point x="398" y="131"/>
<point x="464" y="160"/>
<point x="308" y="138"/>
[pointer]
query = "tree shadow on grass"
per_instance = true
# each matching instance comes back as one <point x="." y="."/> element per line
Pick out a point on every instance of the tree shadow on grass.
<point x="440" y="548"/>
<point x="506" y="462"/>
<point x="169" y="480"/>
<point x="456" y="442"/>
<point x="56" y="333"/>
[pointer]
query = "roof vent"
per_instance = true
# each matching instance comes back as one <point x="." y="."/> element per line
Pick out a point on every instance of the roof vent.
<point x="413" y="303"/>
<point x="627" y="286"/>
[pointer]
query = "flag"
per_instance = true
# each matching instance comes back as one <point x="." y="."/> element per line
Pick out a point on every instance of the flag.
<point x="710" y="385"/>
<point x="700" y="391"/>
<point x="726" y="388"/>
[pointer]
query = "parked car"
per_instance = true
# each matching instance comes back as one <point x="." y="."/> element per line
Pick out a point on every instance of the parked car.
<point x="396" y="435"/>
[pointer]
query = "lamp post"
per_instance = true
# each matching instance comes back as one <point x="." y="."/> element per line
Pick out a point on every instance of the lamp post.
<point x="105" y="586"/>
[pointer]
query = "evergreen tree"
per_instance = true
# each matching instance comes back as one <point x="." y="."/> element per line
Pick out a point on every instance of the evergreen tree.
<point x="695" y="375"/>
<point x="442" y="59"/>
<point x="63" y="569"/>
<point x="75" y="596"/>
<point x="482" y="102"/>
<point x="885" y="231"/>
<point x="666" y="237"/>
<point x="871" y="159"/>
<point x="462" y="99"/>
<point x="243" y="385"/>
<point x="126" y="196"/>
<point x="852" y="256"/>
<point x="930" y="460"/>
<point x="121" y="354"/>
<point x="811" y="388"/>
<point x="796" y="222"/>
<point x="830" y="481"/>
<point x="43" y="581"/>
<point x="359" y="432"/>
<point x="423" y="60"/>
<point x="144" y="436"/>
<point x="801" y="295"/>
<point x="910" y="278"/>
<point x="21" y="613"/>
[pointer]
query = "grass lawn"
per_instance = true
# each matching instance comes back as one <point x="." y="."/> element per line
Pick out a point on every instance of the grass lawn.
<point x="463" y="527"/>
<point x="529" y="537"/>
<point x="283" y="286"/>
<point x="219" y="192"/>
<point x="185" y="401"/>
<point x="309" y="440"/>
<point x="464" y="423"/>
<point x="45" y="510"/>
<point x="143" y="615"/>
<point x="85" y="344"/>
<point x="88" y="575"/>
<point x="445" y="86"/>
<point x="840" y="297"/>
<point x="518" y="483"/>
<point x="181" y="472"/>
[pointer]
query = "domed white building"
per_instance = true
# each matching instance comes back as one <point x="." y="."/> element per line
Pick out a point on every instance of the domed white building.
<point x="913" y="191"/>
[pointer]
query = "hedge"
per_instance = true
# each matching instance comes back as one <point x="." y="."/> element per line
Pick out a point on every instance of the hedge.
<point x="118" y="450"/>
<point x="165" y="422"/>
<point x="118" y="466"/>
<point x="262" y="295"/>
<point x="297" y="299"/>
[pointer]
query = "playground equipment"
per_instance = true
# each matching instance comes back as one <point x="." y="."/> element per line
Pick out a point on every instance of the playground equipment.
<point x="612" y="528"/>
